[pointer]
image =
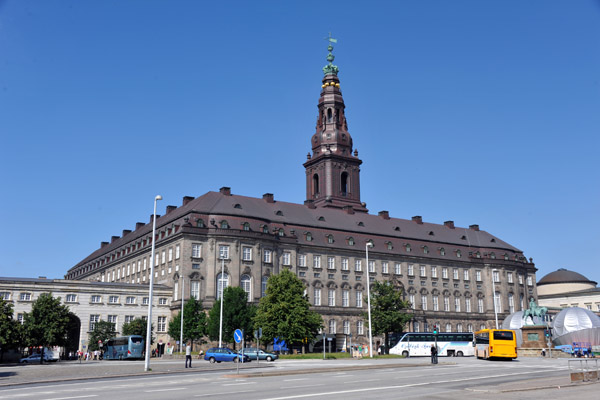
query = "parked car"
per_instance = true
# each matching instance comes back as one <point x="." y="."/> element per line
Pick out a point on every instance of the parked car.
<point x="218" y="354"/>
<point x="258" y="354"/>
<point x="34" y="359"/>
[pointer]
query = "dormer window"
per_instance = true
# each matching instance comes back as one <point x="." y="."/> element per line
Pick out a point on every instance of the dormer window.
<point x="390" y="246"/>
<point x="330" y="239"/>
<point x="493" y="240"/>
<point x="397" y="228"/>
<point x="458" y="254"/>
<point x="463" y="237"/>
<point x="224" y="225"/>
<point x="442" y="252"/>
<point x="237" y="205"/>
<point x="431" y="233"/>
<point x="493" y="256"/>
<point x="280" y="232"/>
<point x="477" y="254"/>
<point x="321" y="218"/>
<point x="350" y="241"/>
<point x="407" y="247"/>
<point x="200" y="223"/>
<point x="360" y="223"/>
<point x="309" y="237"/>
<point x="278" y="212"/>
<point x="265" y="229"/>
<point x="246" y="226"/>
<point x="425" y="250"/>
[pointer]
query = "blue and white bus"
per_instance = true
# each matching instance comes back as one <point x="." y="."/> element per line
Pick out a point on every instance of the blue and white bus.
<point x="124" y="347"/>
<point x="449" y="344"/>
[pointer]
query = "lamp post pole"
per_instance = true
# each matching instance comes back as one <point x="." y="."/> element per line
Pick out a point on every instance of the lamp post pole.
<point x="220" y="284"/>
<point x="369" y="299"/>
<point x="149" y="321"/>
<point x="494" y="289"/>
<point x="182" y="302"/>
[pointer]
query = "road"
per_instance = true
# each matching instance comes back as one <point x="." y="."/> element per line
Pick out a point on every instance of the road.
<point x="453" y="378"/>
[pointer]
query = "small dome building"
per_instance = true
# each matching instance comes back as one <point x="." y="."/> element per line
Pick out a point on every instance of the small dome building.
<point x="576" y="324"/>
<point x="563" y="281"/>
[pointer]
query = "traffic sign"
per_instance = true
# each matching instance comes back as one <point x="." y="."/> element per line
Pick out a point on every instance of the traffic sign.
<point x="238" y="335"/>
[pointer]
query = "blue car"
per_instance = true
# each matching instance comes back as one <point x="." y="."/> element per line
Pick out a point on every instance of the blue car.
<point x="218" y="354"/>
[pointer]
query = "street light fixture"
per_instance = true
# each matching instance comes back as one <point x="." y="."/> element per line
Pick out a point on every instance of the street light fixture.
<point x="220" y="284"/>
<point x="369" y="244"/>
<point x="494" y="290"/>
<point x="149" y="321"/>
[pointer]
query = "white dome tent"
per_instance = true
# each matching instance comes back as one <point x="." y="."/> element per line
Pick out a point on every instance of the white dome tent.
<point x="576" y="324"/>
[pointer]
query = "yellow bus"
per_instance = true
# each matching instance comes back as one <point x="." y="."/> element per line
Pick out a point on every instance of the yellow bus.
<point x="495" y="343"/>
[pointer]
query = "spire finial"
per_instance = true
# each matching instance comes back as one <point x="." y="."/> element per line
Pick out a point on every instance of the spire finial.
<point x="330" y="68"/>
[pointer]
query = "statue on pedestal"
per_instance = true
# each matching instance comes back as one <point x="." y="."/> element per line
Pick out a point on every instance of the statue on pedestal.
<point x="533" y="311"/>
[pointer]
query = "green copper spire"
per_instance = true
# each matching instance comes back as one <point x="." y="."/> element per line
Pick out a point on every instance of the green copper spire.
<point x="330" y="68"/>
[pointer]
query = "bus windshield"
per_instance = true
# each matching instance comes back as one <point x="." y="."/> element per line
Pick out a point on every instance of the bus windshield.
<point x="503" y="335"/>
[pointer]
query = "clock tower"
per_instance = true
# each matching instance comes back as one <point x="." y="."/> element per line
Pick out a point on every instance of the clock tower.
<point x="333" y="169"/>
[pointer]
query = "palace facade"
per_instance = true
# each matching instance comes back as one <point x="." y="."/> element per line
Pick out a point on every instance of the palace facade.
<point x="449" y="274"/>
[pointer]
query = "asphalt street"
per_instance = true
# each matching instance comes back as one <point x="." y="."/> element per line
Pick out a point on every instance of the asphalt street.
<point x="453" y="378"/>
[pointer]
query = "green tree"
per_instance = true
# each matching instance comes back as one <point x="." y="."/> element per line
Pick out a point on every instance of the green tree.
<point x="103" y="330"/>
<point x="237" y="314"/>
<point x="387" y="310"/>
<point x="285" y="312"/>
<point x="194" y="322"/>
<point x="10" y="330"/>
<point x="47" y="324"/>
<point x="137" y="327"/>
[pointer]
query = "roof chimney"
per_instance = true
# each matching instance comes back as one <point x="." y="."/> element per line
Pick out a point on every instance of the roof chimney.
<point x="310" y="204"/>
<point x="474" y="227"/>
<point x="171" y="208"/>
<point x="186" y="200"/>
<point x="449" y="224"/>
<point x="268" y="197"/>
<point x="384" y="214"/>
<point x="225" y="191"/>
<point x="126" y="232"/>
<point x="418" y="219"/>
<point x="112" y="239"/>
<point x="348" y="209"/>
<point x="152" y="218"/>
<point x="138" y="225"/>
<point x="103" y="244"/>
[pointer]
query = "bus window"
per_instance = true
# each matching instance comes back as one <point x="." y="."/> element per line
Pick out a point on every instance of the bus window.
<point x="503" y="335"/>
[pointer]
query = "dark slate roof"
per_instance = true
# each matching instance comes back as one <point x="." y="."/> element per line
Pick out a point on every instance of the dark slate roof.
<point x="563" y="275"/>
<point x="302" y="218"/>
<point x="5" y="279"/>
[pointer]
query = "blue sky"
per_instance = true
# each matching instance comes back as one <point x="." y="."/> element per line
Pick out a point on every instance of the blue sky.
<point x="481" y="112"/>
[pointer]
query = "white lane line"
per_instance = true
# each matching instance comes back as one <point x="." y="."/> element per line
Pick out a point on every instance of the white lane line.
<point x="222" y="393"/>
<point x="363" y="380"/>
<point x="164" y="390"/>
<point x="297" y="379"/>
<point x="299" y="396"/>
<point x="240" y="383"/>
<point x="73" y="397"/>
<point x="300" y="386"/>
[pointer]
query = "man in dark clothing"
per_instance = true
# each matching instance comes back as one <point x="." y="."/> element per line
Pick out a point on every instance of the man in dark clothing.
<point x="434" y="354"/>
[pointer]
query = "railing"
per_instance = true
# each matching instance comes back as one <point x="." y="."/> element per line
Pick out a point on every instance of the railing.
<point x="584" y="370"/>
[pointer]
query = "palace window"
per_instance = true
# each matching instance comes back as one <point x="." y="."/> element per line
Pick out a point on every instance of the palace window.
<point x="195" y="289"/>
<point x="330" y="262"/>
<point x="331" y="297"/>
<point x="301" y="260"/>
<point x="245" y="283"/>
<point x="358" y="265"/>
<point x="385" y="267"/>
<point x="317" y="298"/>
<point x="224" y="252"/>
<point x="94" y="318"/>
<point x="286" y="258"/>
<point x="360" y="328"/>
<point x="196" y="250"/>
<point x="398" y="268"/>
<point x="316" y="261"/>
<point x="70" y="298"/>
<point x="345" y="297"/>
<point x="130" y="300"/>
<point x="113" y="299"/>
<point x="246" y="253"/>
<point x="222" y="283"/>
<point x="267" y="256"/>
<point x="344" y="264"/>
<point x="359" y="298"/>
<point x="161" y="326"/>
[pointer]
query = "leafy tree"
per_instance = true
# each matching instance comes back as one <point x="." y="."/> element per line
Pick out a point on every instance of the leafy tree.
<point x="10" y="330"/>
<point x="47" y="324"/>
<point x="387" y="310"/>
<point x="103" y="330"/>
<point x="138" y="327"/>
<point x="237" y="314"/>
<point x="194" y="322"/>
<point x="285" y="312"/>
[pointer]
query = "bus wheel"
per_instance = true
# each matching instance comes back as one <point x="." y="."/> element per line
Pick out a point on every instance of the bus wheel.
<point x="212" y="360"/>
<point x="459" y="354"/>
<point x="405" y="353"/>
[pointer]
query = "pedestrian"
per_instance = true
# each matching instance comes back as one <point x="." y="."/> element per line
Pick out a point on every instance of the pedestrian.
<point x="200" y="354"/>
<point x="434" y="354"/>
<point x="543" y="352"/>
<point x="188" y="354"/>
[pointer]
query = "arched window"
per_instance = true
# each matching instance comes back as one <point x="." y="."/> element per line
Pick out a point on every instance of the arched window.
<point x="245" y="284"/>
<point x="280" y="232"/>
<point x="459" y="327"/>
<point x="222" y="283"/>
<point x="200" y="223"/>
<point x="315" y="184"/>
<point x="470" y="328"/>
<point x="344" y="183"/>
<point x="350" y="241"/>
<point x="309" y="237"/>
<point x="448" y="328"/>
<point x="224" y="225"/>
<point x="329" y="115"/>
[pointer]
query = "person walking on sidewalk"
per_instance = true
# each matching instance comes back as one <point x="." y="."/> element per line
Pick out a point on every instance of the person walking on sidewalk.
<point x="188" y="355"/>
<point x="434" y="354"/>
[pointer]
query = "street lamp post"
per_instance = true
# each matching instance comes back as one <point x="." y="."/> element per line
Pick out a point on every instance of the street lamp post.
<point x="369" y="244"/>
<point x="220" y="284"/>
<point x="494" y="290"/>
<point x="149" y="321"/>
<point x="182" y="302"/>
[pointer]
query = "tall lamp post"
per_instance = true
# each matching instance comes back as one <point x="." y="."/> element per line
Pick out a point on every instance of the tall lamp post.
<point x="149" y="321"/>
<point x="182" y="302"/>
<point x="220" y="285"/>
<point x="369" y="244"/>
<point x="494" y="289"/>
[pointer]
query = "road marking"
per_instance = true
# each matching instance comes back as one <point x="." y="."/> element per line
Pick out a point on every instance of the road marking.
<point x="300" y="386"/>
<point x="297" y="379"/>
<point x="299" y="396"/>
<point x="222" y="393"/>
<point x="238" y="384"/>
<point x="364" y="380"/>
<point x="73" y="397"/>
<point x="164" y="390"/>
